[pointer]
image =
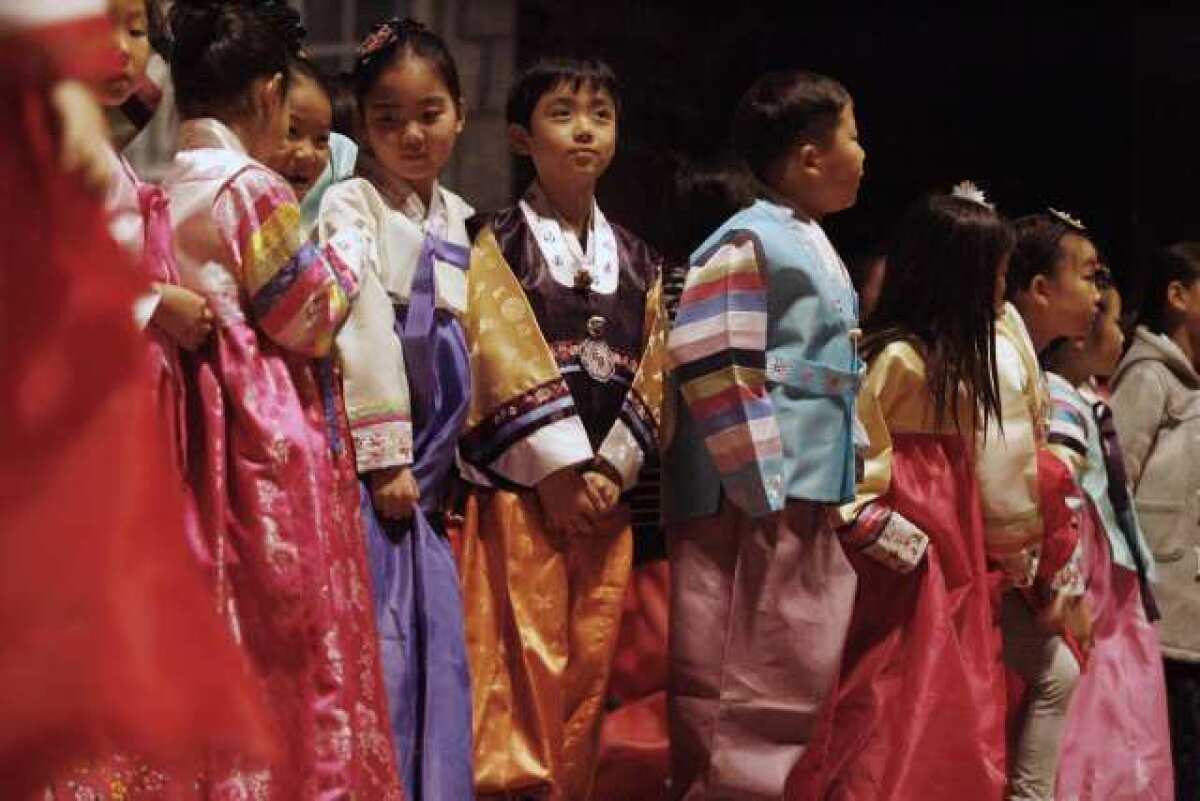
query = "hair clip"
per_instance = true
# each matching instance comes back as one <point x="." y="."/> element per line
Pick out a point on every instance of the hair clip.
<point x="969" y="190"/>
<point x="386" y="34"/>
<point x="1067" y="219"/>
<point x="381" y="36"/>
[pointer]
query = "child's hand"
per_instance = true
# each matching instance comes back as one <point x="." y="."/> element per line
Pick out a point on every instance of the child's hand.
<point x="395" y="492"/>
<point x="1078" y="621"/>
<point x="567" y="505"/>
<point x="183" y="315"/>
<point x="84" y="134"/>
<point x="602" y="490"/>
<point x="1066" y="614"/>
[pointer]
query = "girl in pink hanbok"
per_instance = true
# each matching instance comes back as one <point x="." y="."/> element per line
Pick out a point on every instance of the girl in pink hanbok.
<point x="1116" y="744"/>
<point x="273" y="469"/>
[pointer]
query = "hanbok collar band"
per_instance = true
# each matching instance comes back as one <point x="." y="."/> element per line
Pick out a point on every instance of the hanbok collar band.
<point x="594" y="269"/>
<point x="402" y="197"/>
<point x="208" y="132"/>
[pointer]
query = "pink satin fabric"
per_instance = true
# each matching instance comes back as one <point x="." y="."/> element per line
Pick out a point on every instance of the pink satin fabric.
<point x="759" y="613"/>
<point x="1117" y="741"/>
<point x="919" y="711"/>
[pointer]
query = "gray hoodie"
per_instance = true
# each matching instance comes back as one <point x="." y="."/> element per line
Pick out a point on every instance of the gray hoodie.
<point x="1156" y="408"/>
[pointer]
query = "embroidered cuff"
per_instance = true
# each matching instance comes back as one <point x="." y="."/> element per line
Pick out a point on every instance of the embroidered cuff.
<point x="1069" y="578"/>
<point x="900" y="545"/>
<point x="380" y="445"/>
<point x="621" y="450"/>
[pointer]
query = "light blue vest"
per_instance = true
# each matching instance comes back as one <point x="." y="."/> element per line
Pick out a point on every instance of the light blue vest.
<point x="813" y="373"/>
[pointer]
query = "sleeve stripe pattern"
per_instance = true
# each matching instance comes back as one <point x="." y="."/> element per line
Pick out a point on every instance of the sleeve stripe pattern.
<point x="718" y="348"/>
<point x="539" y="407"/>
<point x="1067" y="428"/>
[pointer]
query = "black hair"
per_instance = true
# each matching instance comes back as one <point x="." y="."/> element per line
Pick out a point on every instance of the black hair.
<point x="345" y="105"/>
<point x="1179" y="262"/>
<point x="547" y="73"/>
<point x="304" y="67"/>
<point x="781" y="108"/>
<point x="1039" y="237"/>
<point x="157" y="27"/>
<point x="219" y="48"/>
<point x="390" y="41"/>
<point x="939" y="291"/>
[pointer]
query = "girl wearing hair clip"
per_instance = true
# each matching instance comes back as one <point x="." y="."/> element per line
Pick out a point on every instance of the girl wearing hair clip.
<point x="407" y="381"/>
<point x="919" y="709"/>
<point x="1032" y="505"/>
<point x="1116" y="734"/>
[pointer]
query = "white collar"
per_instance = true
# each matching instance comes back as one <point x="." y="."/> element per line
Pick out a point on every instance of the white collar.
<point x="208" y="132"/>
<point x="400" y="196"/>
<point x="561" y="249"/>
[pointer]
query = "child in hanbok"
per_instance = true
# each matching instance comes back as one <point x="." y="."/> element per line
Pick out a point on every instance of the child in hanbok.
<point x="171" y="315"/>
<point x="110" y="637"/>
<point x="1156" y="410"/>
<point x="764" y="355"/>
<point x="407" y="383"/>
<point x="565" y="331"/>
<point x="1117" y="737"/>
<point x="1031" y="503"/>
<point x="312" y="157"/>
<point x="273" y="469"/>
<point x="918" y="714"/>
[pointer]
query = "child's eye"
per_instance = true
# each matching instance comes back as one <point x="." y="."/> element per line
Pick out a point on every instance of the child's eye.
<point x="138" y="33"/>
<point x="431" y="116"/>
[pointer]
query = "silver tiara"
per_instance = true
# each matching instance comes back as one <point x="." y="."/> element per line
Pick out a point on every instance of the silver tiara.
<point x="969" y="190"/>
<point x="1067" y="219"/>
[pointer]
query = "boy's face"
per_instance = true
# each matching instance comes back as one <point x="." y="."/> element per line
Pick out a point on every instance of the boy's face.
<point x="1071" y="291"/>
<point x="842" y="159"/>
<point x="304" y="152"/>
<point x="131" y="49"/>
<point x="572" y="134"/>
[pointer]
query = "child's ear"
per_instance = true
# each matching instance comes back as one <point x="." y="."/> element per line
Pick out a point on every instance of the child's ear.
<point x="1039" y="289"/>
<point x="1177" y="297"/>
<point x="808" y="158"/>
<point x="270" y="93"/>
<point x="461" y="108"/>
<point x="518" y="139"/>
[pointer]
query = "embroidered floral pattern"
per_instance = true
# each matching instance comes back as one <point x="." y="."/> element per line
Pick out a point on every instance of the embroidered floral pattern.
<point x="900" y="545"/>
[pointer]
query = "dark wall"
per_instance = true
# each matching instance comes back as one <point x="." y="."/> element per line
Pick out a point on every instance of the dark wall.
<point x="1037" y="105"/>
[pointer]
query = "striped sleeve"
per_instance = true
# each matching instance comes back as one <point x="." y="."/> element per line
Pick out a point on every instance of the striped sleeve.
<point x="299" y="293"/>
<point x="1067" y="434"/>
<point x="717" y="350"/>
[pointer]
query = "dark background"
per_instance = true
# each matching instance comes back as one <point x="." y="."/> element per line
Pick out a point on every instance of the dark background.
<point x="1094" y="112"/>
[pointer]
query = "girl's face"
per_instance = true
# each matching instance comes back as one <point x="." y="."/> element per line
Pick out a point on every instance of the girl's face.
<point x="304" y="151"/>
<point x="1001" y="288"/>
<point x="1071" y="290"/>
<point x="1107" y="340"/>
<point x="411" y="122"/>
<point x="131" y="49"/>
